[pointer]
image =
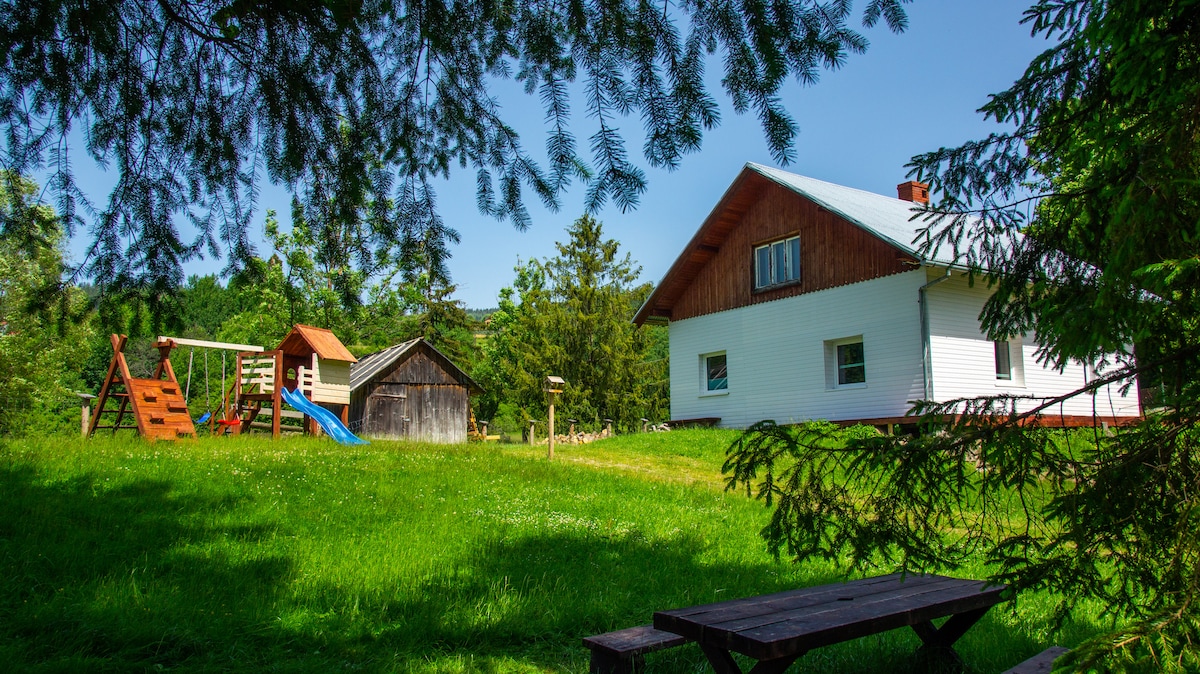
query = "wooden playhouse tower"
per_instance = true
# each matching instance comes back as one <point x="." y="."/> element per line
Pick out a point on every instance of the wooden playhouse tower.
<point x="155" y="405"/>
<point x="310" y="359"/>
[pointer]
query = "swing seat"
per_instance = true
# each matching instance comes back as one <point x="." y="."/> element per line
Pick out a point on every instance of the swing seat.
<point x="204" y="418"/>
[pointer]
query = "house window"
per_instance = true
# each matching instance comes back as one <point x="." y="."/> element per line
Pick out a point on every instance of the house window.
<point x="1003" y="360"/>
<point x="714" y="373"/>
<point x="1009" y="361"/>
<point x="777" y="262"/>
<point x="852" y="366"/>
<point x="845" y="363"/>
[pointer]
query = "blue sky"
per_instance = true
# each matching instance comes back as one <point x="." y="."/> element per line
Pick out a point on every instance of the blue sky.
<point x="859" y="126"/>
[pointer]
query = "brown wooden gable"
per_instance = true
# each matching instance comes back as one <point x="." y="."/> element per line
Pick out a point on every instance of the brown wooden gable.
<point x="426" y="365"/>
<point x="715" y="271"/>
<point x="419" y="368"/>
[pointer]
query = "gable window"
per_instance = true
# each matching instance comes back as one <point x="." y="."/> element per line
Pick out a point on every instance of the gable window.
<point x="777" y="262"/>
<point x="714" y="373"/>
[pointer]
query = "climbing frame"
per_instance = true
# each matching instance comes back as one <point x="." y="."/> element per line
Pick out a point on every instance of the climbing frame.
<point x="156" y="405"/>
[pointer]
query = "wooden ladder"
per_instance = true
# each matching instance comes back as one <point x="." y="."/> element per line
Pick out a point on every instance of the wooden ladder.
<point x="158" y="408"/>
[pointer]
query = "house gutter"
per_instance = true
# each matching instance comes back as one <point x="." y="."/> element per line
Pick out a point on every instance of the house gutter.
<point x="926" y="350"/>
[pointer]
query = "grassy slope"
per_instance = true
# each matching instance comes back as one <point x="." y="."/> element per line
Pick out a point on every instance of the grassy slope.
<point x="303" y="555"/>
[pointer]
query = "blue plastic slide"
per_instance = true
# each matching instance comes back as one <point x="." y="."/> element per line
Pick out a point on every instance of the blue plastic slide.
<point x="329" y="423"/>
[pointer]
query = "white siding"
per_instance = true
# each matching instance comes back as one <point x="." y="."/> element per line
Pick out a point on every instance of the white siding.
<point x="777" y="358"/>
<point x="964" y="359"/>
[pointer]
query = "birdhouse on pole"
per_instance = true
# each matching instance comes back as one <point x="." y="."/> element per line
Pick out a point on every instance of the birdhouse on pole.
<point x="552" y="386"/>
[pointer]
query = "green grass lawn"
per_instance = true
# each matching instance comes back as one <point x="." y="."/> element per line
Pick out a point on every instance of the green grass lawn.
<point x="303" y="555"/>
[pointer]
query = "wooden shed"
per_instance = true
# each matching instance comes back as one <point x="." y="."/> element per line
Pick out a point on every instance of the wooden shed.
<point x="410" y="391"/>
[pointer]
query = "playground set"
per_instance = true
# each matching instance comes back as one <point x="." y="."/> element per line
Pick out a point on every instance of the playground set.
<point x="309" y="371"/>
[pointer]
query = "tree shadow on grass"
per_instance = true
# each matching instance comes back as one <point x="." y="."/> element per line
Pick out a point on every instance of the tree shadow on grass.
<point x="100" y="577"/>
<point x="137" y="577"/>
<point x="526" y="604"/>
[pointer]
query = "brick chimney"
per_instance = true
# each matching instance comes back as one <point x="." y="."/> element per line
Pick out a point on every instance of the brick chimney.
<point x="913" y="191"/>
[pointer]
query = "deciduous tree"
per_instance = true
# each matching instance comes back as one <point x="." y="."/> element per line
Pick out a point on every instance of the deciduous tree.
<point x="42" y="345"/>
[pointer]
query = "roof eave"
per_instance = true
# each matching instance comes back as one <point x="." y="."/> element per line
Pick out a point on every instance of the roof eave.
<point x="645" y="313"/>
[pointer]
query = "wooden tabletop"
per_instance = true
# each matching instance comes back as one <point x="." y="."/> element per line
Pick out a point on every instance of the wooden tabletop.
<point x="788" y="624"/>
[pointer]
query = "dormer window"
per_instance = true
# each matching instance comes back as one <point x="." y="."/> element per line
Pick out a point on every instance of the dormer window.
<point x="777" y="262"/>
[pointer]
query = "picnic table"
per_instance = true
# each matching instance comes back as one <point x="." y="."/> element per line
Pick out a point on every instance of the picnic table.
<point x="776" y="629"/>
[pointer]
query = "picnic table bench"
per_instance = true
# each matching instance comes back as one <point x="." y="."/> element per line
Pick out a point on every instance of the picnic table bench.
<point x="1042" y="663"/>
<point x="621" y="652"/>
<point x="777" y="629"/>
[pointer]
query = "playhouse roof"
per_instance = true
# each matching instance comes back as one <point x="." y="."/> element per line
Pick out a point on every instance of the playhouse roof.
<point x="306" y="339"/>
<point x="371" y="365"/>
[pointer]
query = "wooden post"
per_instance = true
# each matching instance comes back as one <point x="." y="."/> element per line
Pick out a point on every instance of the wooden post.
<point x="277" y="395"/>
<point x="531" y="426"/>
<point x="237" y="396"/>
<point x="552" y="385"/>
<point x="115" y="369"/>
<point x="85" y="412"/>
<point x="550" y="422"/>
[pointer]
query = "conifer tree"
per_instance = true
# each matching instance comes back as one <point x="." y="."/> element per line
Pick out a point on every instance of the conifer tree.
<point x="192" y="104"/>
<point x="571" y="316"/>
<point x="1082" y="216"/>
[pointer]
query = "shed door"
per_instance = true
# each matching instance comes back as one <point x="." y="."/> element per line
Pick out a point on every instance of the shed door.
<point x="387" y="411"/>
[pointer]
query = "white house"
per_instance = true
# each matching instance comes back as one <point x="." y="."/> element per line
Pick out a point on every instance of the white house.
<point x="798" y="299"/>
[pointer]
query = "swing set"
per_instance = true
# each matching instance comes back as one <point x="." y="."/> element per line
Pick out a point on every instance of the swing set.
<point x="311" y="361"/>
<point x="154" y="406"/>
<point x="222" y="417"/>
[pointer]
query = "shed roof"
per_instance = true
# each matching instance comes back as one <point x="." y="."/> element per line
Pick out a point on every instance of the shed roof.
<point x="372" y="364"/>
<point x="305" y="339"/>
<point x="892" y="220"/>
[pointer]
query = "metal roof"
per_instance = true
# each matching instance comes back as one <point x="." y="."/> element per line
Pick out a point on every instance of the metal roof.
<point x="372" y="364"/>
<point x="889" y="218"/>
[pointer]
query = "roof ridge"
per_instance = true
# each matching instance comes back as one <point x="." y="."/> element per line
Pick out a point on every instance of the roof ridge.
<point x="763" y="167"/>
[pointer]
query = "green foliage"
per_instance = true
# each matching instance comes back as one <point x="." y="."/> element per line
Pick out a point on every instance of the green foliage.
<point x="42" y="345"/>
<point x="440" y="320"/>
<point x="363" y="104"/>
<point x="268" y="305"/>
<point x="1083" y="217"/>
<point x="324" y="267"/>
<point x="445" y="324"/>
<point x="570" y="316"/>
<point x="205" y="304"/>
